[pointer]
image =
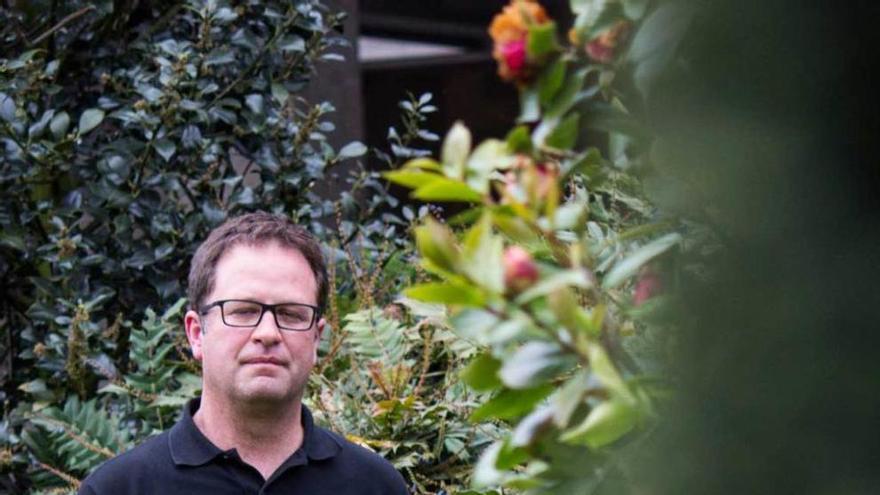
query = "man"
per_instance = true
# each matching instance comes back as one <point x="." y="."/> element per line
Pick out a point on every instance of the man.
<point x="256" y="288"/>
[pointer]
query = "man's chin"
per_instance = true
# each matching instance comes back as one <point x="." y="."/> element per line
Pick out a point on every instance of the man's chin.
<point x="266" y="390"/>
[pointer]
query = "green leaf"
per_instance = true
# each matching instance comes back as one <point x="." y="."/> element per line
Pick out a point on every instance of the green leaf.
<point x="607" y="373"/>
<point x="518" y="140"/>
<point x="280" y="93"/>
<point x="481" y="256"/>
<point x="511" y="404"/>
<point x="436" y="243"/>
<point x="481" y="374"/>
<point x="255" y="103"/>
<point x="564" y="135"/>
<point x="491" y="154"/>
<point x="630" y="265"/>
<point x="569" y="95"/>
<point x="541" y="41"/>
<point x="605" y="424"/>
<point x="565" y="278"/>
<point x="413" y="180"/>
<point x="443" y="189"/>
<point x="13" y="241"/>
<point x="446" y="293"/>
<point x="59" y="125"/>
<point x="89" y="120"/>
<point x="530" y="429"/>
<point x="165" y="148"/>
<point x="550" y="81"/>
<point x="7" y="107"/>
<point x="456" y="148"/>
<point x="569" y="397"/>
<point x="532" y="364"/>
<point x="423" y="164"/>
<point x="352" y="150"/>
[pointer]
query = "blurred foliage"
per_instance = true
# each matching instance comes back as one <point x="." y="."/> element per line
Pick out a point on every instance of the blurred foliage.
<point x="561" y="269"/>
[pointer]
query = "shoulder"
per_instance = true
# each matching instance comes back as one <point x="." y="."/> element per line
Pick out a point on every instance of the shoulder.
<point x="366" y="465"/>
<point x="126" y="471"/>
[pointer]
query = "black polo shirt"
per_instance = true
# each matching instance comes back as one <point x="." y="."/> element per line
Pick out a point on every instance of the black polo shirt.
<point x="183" y="461"/>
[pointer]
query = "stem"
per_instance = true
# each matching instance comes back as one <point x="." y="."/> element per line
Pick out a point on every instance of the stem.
<point x="79" y="13"/>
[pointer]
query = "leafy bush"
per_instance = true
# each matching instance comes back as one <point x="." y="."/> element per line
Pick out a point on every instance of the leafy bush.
<point x="560" y="269"/>
<point x="127" y="131"/>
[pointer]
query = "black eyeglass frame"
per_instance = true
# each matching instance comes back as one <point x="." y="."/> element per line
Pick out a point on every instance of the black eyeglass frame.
<point x="316" y="313"/>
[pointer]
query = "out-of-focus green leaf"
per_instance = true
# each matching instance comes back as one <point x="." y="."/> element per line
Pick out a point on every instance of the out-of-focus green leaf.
<point x="455" y="151"/>
<point x="446" y="293"/>
<point x="605" y="424"/>
<point x="541" y="40"/>
<point x="443" y="189"/>
<point x="550" y="81"/>
<point x="437" y="243"/>
<point x="630" y="265"/>
<point x="481" y="255"/>
<point x="564" y="135"/>
<point x="564" y="278"/>
<point x="482" y="373"/>
<point x="532" y="364"/>
<point x="518" y="140"/>
<point x="511" y="404"/>
<point x="413" y="180"/>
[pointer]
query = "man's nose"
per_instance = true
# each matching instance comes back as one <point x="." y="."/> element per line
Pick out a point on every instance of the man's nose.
<point x="267" y="331"/>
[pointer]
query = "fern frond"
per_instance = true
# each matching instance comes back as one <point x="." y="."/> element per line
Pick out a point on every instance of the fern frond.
<point x="374" y="337"/>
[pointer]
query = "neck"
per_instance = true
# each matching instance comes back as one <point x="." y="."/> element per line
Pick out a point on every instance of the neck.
<point x="264" y="435"/>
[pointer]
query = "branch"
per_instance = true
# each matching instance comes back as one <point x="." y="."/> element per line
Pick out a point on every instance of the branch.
<point x="79" y="13"/>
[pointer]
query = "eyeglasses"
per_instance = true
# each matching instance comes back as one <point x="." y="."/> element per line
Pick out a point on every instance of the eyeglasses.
<point x="243" y="313"/>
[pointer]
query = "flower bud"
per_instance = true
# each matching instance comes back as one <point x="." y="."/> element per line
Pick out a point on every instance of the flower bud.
<point x="520" y="270"/>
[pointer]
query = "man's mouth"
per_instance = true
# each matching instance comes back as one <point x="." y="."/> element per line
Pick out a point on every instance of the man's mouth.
<point x="264" y="360"/>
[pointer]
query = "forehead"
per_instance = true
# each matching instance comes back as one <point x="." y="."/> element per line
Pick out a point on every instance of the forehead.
<point x="268" y="271"/>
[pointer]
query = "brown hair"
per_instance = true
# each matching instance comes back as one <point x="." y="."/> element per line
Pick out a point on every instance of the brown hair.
<point x="252" y="229"/>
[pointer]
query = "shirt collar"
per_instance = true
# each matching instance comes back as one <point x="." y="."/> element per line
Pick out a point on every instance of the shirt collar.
<point x="189" y="447"/>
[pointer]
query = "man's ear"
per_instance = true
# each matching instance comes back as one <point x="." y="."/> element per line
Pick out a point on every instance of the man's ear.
<point x="194" y="333"/>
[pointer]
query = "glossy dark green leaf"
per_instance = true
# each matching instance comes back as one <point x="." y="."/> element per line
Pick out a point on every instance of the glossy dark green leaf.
<point x="89" y="120"/>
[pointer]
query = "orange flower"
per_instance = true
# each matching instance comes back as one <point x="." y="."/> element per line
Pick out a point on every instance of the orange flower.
<point x="509" y="31"/>
<point x="603" y="48"/>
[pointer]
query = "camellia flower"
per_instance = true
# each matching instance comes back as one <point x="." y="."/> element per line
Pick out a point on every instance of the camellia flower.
<point x="603" y="48"/>
<point x="509" y="31"/>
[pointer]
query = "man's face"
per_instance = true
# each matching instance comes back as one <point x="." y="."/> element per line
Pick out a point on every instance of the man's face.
<point x="261" y="364"/>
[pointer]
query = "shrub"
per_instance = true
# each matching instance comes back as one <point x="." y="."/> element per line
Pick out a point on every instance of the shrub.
<point x="125" y="135"/>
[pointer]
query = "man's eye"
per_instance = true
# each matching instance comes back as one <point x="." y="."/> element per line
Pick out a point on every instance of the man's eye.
<point x="244" y="311"/>
<point x="293" y="316"/>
